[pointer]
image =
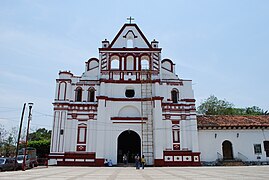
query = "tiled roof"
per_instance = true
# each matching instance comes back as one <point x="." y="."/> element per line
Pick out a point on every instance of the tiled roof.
<point x="232" y="121"/>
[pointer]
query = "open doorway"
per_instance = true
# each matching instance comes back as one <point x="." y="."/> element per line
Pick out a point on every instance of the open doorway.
<point x="129" y="143"/>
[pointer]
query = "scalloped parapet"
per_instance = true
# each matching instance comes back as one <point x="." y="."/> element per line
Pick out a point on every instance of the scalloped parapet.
<point x="65" y="74"/>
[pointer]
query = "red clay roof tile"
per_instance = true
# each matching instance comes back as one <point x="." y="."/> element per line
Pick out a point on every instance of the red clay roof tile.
<point x="232" y="121"/>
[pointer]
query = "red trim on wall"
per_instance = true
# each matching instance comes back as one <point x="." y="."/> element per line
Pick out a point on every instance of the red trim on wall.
<point x="99" y="162"/>
<point x="129" y="99"/>
<point x="81" y="156"/>
<point x="176" y="104"/>
<point x="188" y="100"/>
<point x="128" y="122"/>
<point x="128" y="118"/>
<point x="74" y="163"/>
<point x="81" y="147"/>
<point x="158" y="162"/>
<point x="126" y="81"/>
<point x="74" y="155"/>
<point x="85" y="133"/>
<point x="182" y="163"/>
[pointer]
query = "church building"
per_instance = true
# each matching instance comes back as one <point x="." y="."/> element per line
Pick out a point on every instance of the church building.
<point x="130" y="101"/>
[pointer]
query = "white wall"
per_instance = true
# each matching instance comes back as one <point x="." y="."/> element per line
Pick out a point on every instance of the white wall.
<point x="244" y="143"/>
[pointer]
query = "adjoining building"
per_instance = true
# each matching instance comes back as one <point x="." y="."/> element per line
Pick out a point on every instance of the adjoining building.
<point x="130" y="101"/>
<point x="234" y="138"/>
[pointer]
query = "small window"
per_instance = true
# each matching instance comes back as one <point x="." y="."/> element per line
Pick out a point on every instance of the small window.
<point x="129" y="93"/>
<point x="174" y="95"/>
<point x="78" y="94"/>
<point x="61" y="132"/>
<point x="257" y="148"/>
<point x="144" y="64"/>
<point x="91" y="95"/>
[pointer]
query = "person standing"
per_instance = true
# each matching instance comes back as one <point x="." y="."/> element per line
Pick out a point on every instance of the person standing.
<point x="124" y="159"/>
<point x="143" y="161"/>
<point x="137" y="161"/>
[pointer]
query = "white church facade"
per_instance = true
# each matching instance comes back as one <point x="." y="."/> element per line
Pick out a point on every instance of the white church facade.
<point x="130" y="101"/>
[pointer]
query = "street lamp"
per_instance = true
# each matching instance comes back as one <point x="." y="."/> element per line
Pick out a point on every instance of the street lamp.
<point x="30" y="105"/>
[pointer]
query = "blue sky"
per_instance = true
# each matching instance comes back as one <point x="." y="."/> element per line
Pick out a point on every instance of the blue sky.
<point x="223" y="46"/>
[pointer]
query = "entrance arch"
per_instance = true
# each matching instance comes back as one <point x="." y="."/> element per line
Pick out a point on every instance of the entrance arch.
<point x="129" y="143"/>
<point x="227" y="150"/>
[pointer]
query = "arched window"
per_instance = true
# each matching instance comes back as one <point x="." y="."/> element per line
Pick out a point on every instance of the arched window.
<point x="78" y="94"/>
<point x="174" y="95"/>
<point x="115" y="62"/>
<point x="130" y="63"/>
<point x="91" y="94"/>
<point x="145" y="65"/>
<point x="130" y="43"/>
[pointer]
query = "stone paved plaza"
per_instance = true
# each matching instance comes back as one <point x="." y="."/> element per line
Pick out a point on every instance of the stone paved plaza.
<point x="249" y="172"/>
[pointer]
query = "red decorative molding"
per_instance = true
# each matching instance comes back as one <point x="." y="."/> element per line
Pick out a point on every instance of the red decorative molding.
<point x="129" y="118"/>
<point x="73" y="155"/>
<point x="126" y="81"/>
<point x="102" y="50"/>
<point x="99" y="162"/>
<point x="128" y="122"/>
<point x="129" y="99"/>
<point x="74" y="163"/>
<point x="188" y="100"/>
<point x="84" y="135"/>
<point x="158" y="162"/>
<point x="74" y="116"/>
<point x="81" y="148"/>
<point x="176" y="146"/>
<point x="193" y="161"/>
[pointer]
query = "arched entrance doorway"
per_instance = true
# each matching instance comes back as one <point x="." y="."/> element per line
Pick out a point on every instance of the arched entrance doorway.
<point x="129" y="143"/>
<point x="227" y="150"/>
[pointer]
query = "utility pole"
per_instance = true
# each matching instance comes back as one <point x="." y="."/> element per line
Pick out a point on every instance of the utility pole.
<point x="30" y="105"/>
<point x="19" y="136"/>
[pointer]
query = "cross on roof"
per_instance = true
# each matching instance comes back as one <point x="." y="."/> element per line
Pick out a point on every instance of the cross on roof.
<point x="130" y="19"/>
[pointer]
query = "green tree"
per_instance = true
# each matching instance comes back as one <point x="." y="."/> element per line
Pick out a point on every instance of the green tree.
<point x="254" y="110"/>
<point x="7" y="141"/>
<point x="42" y="147"/>
<point x="214" y="106"/>
<point x="40" y="134"/>
<point x="40" y="139"/>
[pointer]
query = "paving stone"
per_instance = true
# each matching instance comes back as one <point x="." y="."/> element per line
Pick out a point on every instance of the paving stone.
<point x="121" y="173"/>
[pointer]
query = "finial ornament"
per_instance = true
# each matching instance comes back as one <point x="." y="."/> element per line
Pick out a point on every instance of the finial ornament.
<point x="130" y="19"/>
